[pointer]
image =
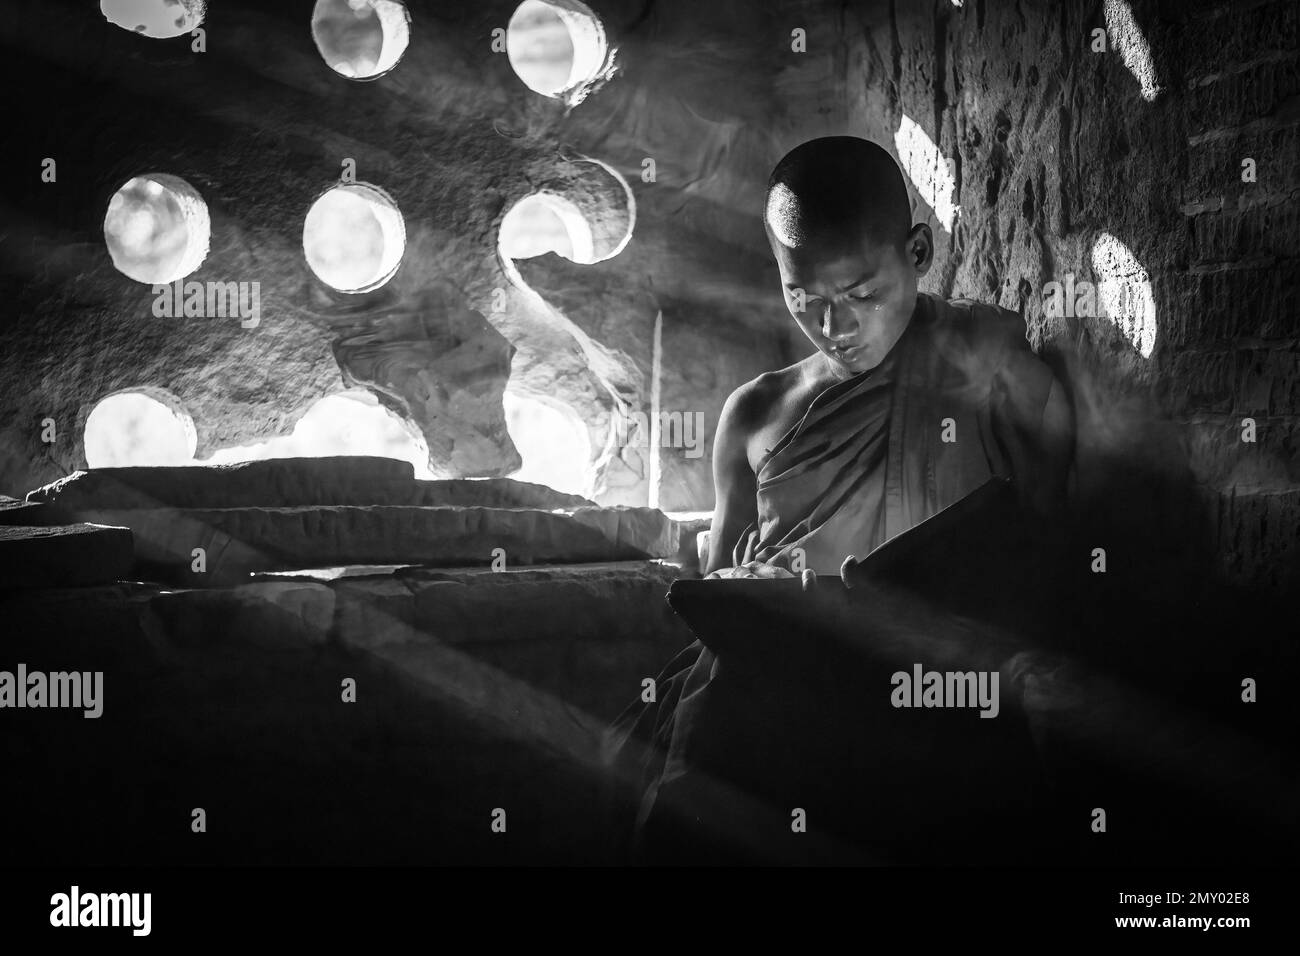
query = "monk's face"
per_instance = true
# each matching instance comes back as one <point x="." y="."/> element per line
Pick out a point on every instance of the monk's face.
<point x="854" y="295"/>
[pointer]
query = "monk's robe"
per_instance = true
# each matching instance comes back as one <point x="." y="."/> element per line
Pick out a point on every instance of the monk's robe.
<point x="958" y="400"/>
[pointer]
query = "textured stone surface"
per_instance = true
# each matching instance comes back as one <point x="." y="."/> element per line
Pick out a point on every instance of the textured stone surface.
<point x="451" y="134"/>
<point x="239" y="541"/>
<point x="562" y="631"/>
<point x="1053" y="144"/>
<point x="269" y="616"/>
<point x="279" y="481"/>
<point x="63" y="555"/>
<point x="443" y="367"/>
<point x="289" y="482"/>
<point x="16" y="511"/>
<point x="466" y="699"/>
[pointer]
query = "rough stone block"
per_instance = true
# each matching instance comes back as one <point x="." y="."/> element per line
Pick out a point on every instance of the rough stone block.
<point x="273" y="482"/>
<point x="288" y="482"/>
<point x="272" y="615"/>
<point x="63" y="555"/>
<point x="585" y="635"/>
<point x="236" y="542"/>
<point x="16" y="511"/>
<point x="1258" y="542"/>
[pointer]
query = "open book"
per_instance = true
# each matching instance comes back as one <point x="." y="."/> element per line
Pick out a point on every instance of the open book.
<point x="973" y="554"/>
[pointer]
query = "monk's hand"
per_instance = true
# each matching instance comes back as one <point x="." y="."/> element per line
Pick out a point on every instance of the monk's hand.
<point x="757" y="570"/>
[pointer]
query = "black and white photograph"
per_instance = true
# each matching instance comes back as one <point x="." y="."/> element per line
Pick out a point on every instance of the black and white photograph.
<point x="456" y="453"/>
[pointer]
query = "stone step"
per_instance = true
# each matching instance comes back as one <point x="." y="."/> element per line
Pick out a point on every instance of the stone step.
<point x="15" y="511"/>
<point x="275" y="481"/>
<point x="289" y="482"/>
<point x="586" y="635"/>
<point x="236" y="542"/>
<point x="63" y="555"/>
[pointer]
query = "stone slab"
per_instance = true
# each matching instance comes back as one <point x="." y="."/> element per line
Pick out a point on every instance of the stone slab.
<point x="63" y="555"/>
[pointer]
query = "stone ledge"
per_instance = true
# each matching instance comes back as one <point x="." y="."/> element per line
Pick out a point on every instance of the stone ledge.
<point x="16" y="512"/>
<point x="289" y="482"/>
<point x="239" y="542"/>
<point x="63" y="555"/>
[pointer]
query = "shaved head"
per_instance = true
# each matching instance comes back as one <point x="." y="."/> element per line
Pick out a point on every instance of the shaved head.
<point x="834" y="188"/>
<point x="840" y="226"/>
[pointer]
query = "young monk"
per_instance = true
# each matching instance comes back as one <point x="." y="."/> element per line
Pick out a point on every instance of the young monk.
<point x="907" y="404"/>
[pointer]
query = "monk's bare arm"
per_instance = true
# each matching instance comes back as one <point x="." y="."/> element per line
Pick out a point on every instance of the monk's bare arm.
<point x="734" y="485"/>
<point x="1035" y="423"/>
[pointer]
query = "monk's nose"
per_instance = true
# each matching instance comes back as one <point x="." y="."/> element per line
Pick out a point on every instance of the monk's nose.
<point x="838" y="324"/>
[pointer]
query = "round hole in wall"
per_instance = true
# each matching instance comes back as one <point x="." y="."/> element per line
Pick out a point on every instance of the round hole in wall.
<point x="361" y="39"/>
<point x="157" y="228"/>
<point x="160" y="19"/>
<point x="354" y="237"/>
<point x="586" y="214"/>
<point x="546" y="222"/>
<point x="134" y="428"/>
<point x="556" y="47"/>
<point x="552" y="442"/>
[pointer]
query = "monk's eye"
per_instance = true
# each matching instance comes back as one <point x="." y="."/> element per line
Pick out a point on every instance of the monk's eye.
<point x="863" y="296"/>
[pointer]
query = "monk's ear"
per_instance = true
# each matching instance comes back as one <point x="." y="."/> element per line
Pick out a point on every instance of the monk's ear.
<point x="920" y="248"/>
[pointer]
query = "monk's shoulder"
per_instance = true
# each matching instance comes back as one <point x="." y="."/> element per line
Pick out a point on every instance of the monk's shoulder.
<point x="990" y="343"/>
<point x="760" y="394"/>
<point x="759" y="411"/>
<point x="749" y="405"/>
<point x="988" y="331"/>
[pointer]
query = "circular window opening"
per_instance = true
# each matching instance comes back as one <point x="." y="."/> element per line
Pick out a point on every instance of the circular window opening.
<point x="545" y="222"/>
<point x="157" y="228"/>
<point x="586" y="216"/>
<point x="354" y="237"/>
<point x="552" y="443"/>
<point x="556" y="46"/>
<point x="160" y="19"/>
<point x="361" y="39"/>
<point x="135" y="428"/>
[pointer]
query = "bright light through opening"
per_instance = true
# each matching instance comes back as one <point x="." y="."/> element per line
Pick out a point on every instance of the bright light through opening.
<point x="157" y="228"/>
<point x="544" y="222"/>
<point x="160" y="19"/>
<point x="1126" y="36"/>
<point x="552" y="442"/>
<point x="361" y="39"/>
<point x="556" y="47"/>
<point x="928" y="170"/>
<point x="348" y="423"/>
<point x="354" y="237"/>
<point x="133" y="429"/>
<point x="1124" y="288"/>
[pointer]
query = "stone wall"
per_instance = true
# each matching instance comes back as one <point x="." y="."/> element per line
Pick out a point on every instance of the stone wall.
<point x="259" y="126"/>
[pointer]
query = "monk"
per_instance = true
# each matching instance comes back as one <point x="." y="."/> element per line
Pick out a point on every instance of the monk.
<point x="906" y="404"/>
